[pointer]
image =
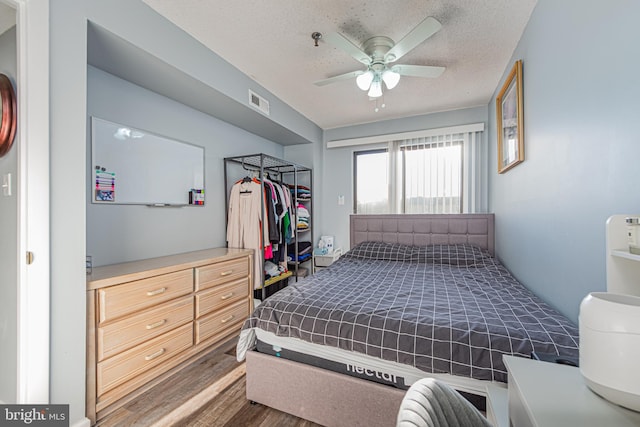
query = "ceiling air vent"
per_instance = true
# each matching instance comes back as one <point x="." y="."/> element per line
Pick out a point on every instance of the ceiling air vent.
<point x="258" y="102"/>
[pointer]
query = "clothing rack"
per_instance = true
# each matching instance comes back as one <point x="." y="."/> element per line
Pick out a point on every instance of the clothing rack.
<point x="266" y="164"/>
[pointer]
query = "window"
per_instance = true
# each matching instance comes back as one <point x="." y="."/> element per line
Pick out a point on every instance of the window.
<point x="420" y="175"/>
<point x="371" y="181"/>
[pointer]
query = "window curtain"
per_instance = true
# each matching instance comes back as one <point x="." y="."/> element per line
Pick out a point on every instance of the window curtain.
<point x="476" y="173"/>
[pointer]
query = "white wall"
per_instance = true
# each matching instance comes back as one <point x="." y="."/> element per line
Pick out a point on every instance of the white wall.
<point x="9" y="245"/>
<point x="117" y="233"/>
<point x="581" y="91"/>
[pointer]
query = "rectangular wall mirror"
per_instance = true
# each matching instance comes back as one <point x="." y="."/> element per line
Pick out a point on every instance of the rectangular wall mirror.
<point x="134" y="166"/>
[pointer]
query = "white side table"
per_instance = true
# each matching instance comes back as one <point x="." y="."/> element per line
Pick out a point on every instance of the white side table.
<point x="544" y="394"/>
<point x="324" y="261"/>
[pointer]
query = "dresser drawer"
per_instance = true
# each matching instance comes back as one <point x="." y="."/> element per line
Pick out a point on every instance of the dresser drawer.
<point x="134" y="329"/>
<point x="221" y="296"/>
<point x="135" y="361"/>
<point x="222" y="322"/>
<point x="223" y="272"/>
<point x="117" y="301"/>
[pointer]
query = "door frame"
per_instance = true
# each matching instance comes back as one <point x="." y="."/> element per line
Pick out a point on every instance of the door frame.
<point x="32" y="189"/>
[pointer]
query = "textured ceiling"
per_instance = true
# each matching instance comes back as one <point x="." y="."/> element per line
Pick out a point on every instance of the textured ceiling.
<point x="271" y="42"/>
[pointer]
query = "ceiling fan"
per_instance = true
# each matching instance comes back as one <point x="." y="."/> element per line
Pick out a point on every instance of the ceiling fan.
<point x="378" y="54"/>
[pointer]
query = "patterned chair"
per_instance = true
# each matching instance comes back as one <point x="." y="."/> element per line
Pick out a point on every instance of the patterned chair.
<point x="431" y="403"/>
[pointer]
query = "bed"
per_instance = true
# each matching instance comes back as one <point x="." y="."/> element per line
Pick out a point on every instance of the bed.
<point x="415" y="296"/>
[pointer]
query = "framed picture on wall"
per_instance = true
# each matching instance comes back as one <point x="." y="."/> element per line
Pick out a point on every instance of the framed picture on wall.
<point x="510" y="119"/>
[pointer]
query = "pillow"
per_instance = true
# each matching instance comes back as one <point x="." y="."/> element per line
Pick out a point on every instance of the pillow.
<point x="460" y="254"/>
<point x="381" y="251"/>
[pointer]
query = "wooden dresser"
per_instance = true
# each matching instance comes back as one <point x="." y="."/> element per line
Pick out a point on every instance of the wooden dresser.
<point x="147" y="319"/>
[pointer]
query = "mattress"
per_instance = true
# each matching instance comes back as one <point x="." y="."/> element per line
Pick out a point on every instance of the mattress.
<point x="365" y="367"/>
<point x="442" y="309"/>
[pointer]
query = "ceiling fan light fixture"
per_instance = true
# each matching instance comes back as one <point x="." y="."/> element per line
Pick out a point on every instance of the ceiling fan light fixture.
<point x="364" y="80"/>
<point x="376" y="89"/>
<point x="390" y="78"/>
<point x="378" y="53"/>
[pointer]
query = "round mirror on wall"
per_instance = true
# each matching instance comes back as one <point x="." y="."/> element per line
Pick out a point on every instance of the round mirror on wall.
<point x="8" y="113"/>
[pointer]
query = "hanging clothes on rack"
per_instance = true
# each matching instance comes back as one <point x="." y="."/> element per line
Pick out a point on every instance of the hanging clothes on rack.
<point x="245" y="228"/>
<point x="281" y="173"/>
<point x="281" y="214"/>
<point x="288" y="225"/>
<point x="270" y="200"/>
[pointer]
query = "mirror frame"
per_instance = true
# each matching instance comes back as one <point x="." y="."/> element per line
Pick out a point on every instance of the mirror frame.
<point x="9" y="114"/>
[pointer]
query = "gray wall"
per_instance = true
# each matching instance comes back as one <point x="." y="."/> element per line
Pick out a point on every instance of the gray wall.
<point x="117" y="233"/>
<point x="9" y="245"/>
<point x="336" y="168"/>
<point x="581" y="94"/>
<point x="67" y="207"/>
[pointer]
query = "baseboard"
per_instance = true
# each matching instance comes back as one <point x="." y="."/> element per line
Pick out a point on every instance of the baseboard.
<point x="84" y="422"/>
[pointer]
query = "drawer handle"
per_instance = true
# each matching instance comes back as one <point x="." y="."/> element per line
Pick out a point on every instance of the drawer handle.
<point x="156" y="292"/>
<point x="226" y="319"/>
<point x="156" y="324"/>
<point x="227" y="296"/>
<point x="226" y="273"/>
<point x="154" y="355"/>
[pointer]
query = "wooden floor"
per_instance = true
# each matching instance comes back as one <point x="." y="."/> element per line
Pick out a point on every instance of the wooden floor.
<point x="209" y="393"/>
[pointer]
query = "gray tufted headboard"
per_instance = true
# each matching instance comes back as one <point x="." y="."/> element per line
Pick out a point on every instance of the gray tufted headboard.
<point x="424" y="229"/>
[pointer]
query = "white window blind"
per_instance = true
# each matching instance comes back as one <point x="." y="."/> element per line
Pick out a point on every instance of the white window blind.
<point x="439" y="173"/>
<point x="431" y="174"/>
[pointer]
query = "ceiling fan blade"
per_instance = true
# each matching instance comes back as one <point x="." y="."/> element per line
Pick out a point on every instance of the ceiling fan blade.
<point x="418" y="70"/>
<point x="420" y="33"/>
<point x="341" y="42"/>
<point x="338" y="78"/>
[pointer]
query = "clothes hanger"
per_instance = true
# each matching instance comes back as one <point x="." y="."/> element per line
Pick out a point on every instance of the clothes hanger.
<point x="246" y="179"/>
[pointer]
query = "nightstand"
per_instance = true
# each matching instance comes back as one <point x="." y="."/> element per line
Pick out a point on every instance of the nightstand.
<point x="549" y="394"/>
<point x="324" y="261"/>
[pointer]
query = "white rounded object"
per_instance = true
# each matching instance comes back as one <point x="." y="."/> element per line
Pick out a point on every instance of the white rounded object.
<point x="610" y="347"/>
